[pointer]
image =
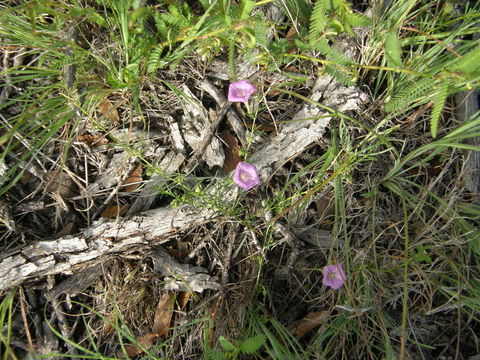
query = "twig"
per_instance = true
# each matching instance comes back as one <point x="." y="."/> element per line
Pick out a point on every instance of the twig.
<point x="232" y="117"/>
<point x="24" y="319"/>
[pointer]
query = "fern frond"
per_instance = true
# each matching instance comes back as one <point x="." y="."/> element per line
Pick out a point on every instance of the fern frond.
<point x="244" y="9"/>
<point x="470" y="62"/>
<point x="154" y="59"/>
<point x="226" y="344"/>
<point x="252" y="344"/>
<point x="414" y="93"/>
<point x="318" y="21"/>
<point x="393" y="50"/>
<point x="205" y="4"/>
<point x="355" y="19"/>
<point x="260" y="32"/>
<point x="340" y="74"/>
<point x="440" y="98"/>
<point x="161" y="25"/>
<point x="297" y="10"/>
<point x="174" y="19"/>
<point x="331" y="53"/>
<point x="216" y="355"/>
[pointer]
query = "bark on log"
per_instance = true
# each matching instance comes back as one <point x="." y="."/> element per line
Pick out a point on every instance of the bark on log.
<point x="96" y="243"/>
<point x="105" y="238"/>
<point x="468" y="103"/>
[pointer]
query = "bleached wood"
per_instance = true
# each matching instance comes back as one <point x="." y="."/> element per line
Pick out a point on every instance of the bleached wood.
<point x="299" y="134"/>
<point x="197" y="126"/>
<point x="139" y="233"/>
<point x="96" y="243"/>
<point x="467" y="106"/>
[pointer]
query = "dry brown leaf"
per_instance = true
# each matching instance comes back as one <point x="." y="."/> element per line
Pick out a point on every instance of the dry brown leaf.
<point x="291" y="33"/>
<point x="134" y="179"/>
<point x="163" y="315"/>
<point x="179" y="254"/>
<point x="262" y="127"/>
<point x="301" y="327"/>
<point x="146" y="341"/>
<point x="231" y="149"/>
<point x="183" y="299"/>
<point x="58" y="182"/>
<point x="108" y="328"/>
<point x="107" y="109"/>
<point x="419" y="112"/>
<point x="26" y="176"/>
<point x="68" y="229"/>
<point x="292" y="69"/>
<point x="113" y="211"/>
<point x="325" y="206"/>
<point x="92" y="141"/>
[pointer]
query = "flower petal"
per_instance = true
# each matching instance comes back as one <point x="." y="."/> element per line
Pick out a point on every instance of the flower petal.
<point x="334" y="276"/>
<point x="246" y="175"/>
<point x="240" y="91"/>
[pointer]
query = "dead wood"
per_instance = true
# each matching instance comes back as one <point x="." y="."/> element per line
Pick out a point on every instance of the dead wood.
<point x="95" y="244"/>
<point x="467" y="106"/>
<point x="182" y="277"/>
<point x="139" y="233"/>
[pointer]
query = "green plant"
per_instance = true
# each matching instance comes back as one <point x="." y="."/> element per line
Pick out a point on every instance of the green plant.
<point x="6" y="311"/>
<point x="232" y="351"/>
<point x="48" y="102"/>
<point x="432" y="60"/>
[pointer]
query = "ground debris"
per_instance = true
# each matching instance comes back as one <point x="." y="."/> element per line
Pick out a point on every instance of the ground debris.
<point x="197" y="130"/>
<point x="182" y="277"/>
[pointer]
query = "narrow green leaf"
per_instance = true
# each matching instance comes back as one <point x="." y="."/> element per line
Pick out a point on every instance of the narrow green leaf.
<point x="440" y="98"/>
<point x="393" y="50"/>
<point x="414" y="93"/>
<point x="318" y="21"/>
<point x="252" y="344"/>
<point x="226" y="345"/>
<point x="246" y="7"/>
<point x="470" y="62"/>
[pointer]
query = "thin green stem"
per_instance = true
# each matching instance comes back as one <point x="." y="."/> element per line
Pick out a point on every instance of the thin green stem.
<point x="405" y="281"/>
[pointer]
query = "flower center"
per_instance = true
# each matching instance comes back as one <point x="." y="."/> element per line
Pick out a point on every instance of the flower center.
<point x="332" y="276"/>
<point x="244" y="176"/>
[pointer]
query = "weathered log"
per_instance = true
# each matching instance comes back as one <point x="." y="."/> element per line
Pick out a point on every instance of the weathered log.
<point x="139" y="233"/>
<point x="96" y="243"/>
<point x="468" y="104"/>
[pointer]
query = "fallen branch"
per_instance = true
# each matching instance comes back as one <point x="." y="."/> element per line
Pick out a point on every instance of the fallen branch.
<point x="95" y="244"/>
<point x="105" y="238"/>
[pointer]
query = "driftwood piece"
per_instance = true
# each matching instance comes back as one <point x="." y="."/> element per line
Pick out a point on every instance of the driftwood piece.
<point x="308" y="125"/>
<point x="182" y="277"/>
<point x="154" y="227"/>
<point x="468" y="103"/>
<point x="168" y="166"/>
<point x="119" y="166"/>
<point x="79" y="281"/>
<point x="102" y="239"/>
<point x="233" y="120"/>
<point x="197" y="126"/>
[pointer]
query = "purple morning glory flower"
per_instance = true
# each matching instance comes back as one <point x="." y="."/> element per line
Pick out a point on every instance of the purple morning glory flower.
<point x="246" y="175"/>
<point x="240" y="91"/>
<point x="334" y="276"/>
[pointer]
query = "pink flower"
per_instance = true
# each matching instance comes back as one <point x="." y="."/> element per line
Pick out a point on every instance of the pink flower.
<point x="334" y="276"/>
<point x="240" y="91"/>
<point x="246" y="175"/>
